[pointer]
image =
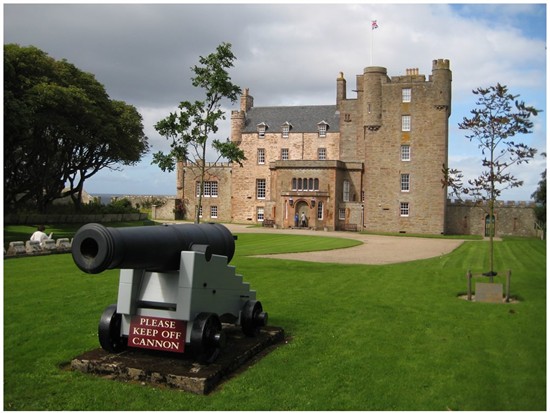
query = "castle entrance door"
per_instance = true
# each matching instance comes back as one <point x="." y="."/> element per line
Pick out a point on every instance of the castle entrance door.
<point x="302" y="209"/>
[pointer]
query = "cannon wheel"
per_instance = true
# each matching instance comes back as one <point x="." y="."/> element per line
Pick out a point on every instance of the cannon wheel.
<point x="109" y="331"/>
<point x="253" y="318"/>
<point x="207" y="337"/>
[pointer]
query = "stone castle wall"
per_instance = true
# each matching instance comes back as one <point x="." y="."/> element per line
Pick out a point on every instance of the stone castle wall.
<point x="511" y="219"/>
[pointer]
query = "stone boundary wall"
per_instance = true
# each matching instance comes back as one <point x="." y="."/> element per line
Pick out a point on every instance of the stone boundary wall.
<point x="511" y="219"/>
<point x="165" y="211"/>
<point x="37" y="219"/>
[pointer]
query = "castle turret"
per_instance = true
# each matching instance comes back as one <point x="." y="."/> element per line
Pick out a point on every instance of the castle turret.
<point x="372" y="96"/>
<point x="442" y="78"/>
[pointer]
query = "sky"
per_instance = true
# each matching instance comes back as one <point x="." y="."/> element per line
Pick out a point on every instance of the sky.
<point x="291" y="54"/>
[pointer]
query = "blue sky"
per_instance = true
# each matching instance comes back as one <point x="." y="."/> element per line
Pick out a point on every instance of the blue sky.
<point x="291" y="54"/>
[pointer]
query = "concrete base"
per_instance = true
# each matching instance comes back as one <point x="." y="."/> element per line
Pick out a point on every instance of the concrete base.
<point x="180" y="370"/>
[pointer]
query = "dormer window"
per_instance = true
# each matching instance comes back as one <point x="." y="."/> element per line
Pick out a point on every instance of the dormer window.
<point x="286" y="129"/>
<point x="262" y="127"/>
<point x="322" y="128"/>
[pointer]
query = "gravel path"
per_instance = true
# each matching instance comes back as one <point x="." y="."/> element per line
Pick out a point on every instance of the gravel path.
<point x="376" y="249"/>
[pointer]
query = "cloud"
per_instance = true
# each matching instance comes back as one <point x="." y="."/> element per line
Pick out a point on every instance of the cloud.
<point x="288" y="54"/>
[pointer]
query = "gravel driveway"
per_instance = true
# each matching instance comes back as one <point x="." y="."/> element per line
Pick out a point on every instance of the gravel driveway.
<point x="376" y="249"/>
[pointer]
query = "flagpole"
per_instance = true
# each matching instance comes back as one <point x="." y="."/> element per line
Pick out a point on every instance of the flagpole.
<point x="371" y="44"/>
<point x="373" y="25"/>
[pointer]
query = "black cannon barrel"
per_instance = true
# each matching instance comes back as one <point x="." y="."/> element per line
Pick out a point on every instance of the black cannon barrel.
<point x="96" y="248"/>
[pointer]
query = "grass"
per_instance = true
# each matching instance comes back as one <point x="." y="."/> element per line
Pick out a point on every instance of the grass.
<point x="380" y="337"/>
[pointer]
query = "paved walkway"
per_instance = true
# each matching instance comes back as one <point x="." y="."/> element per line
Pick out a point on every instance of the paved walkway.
<point x="376" y="249"/>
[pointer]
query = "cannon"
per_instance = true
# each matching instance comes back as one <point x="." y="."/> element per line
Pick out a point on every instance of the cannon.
<point x="175" y="288"/>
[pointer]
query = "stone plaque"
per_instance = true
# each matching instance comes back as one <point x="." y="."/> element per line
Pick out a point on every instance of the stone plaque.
<point x="488" y="293"/>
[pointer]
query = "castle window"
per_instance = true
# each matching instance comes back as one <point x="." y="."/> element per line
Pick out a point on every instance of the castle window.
<point x="347" y="117"/>
<point x="346" y="187"/>
<point x="321" y="154"/>
<point x="305" y="184"/>
<point x="406" y="94"/>
<point x="320" y="210"/>
<point x="261" y="156"/>
<point x="404" y="209"/>
<point x="405" y="152"/>
<point x="405" y="182"/>
<point x="213" y="211"/>
<point x="406" y="123"/>
<point x="284" y="154"/>
<point x="322" y="127"/>
<point x="260" y="188"/>
<point x="342" y="214"/>
<point x="261" y="127"/>
<point x="214" y="188"/>
<point x="286" y="129"/>
<point x="260" y="214"/>
<point x="210" y="189"/>
<point x="200" y="212"/>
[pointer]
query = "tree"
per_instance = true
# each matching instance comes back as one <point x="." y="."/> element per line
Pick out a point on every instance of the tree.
<point x="60" y="127"/>
<point x="191" y="126"/>
<point x="499" y="116"/>
<point x="540" y="199"/>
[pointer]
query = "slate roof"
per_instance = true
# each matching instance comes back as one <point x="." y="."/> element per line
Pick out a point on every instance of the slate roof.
<point x="302" y="118"/>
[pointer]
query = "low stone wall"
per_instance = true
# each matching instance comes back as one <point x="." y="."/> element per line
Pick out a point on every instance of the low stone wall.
<point x="511" y="219"/>
<point x="165" y="211"/>
<point x="139" y="201"/>
<point x="37" y="219"/>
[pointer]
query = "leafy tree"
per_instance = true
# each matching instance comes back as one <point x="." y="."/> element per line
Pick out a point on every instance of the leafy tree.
<point x="190" y="127"/>
<point x="540" y="199"/>
<point x="60" y="127"/>
<point x="499" y="116"/>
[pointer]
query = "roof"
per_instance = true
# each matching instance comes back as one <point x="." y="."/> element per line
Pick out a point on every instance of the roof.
<point x="302" y="118"/>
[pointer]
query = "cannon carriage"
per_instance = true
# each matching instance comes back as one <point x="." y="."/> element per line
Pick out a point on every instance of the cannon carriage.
<point x="175" y="289"/>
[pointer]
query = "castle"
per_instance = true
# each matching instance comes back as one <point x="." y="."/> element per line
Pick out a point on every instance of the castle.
<point x="373" y="162"/>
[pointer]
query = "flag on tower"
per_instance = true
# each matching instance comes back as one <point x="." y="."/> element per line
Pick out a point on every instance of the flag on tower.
<point x="374" y="25"/>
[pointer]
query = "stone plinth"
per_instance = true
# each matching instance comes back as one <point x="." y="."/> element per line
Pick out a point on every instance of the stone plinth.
<point x="180" y="371"/>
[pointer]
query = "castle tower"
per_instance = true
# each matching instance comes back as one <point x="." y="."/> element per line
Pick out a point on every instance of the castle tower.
<point x="373" y="77"/>
<point x="442" y="78"/>
<point x="405" y="121"/>
<point x="238" y="117"/>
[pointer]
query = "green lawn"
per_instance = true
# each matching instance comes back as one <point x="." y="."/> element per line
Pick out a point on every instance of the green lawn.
<point x="389" y="337"/>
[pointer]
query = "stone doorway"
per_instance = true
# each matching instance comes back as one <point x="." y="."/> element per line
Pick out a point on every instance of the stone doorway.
<point x="302" y="208"/>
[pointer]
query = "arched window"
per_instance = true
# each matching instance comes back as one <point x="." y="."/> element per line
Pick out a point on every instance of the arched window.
<point x="316" y="184"/>
<point x="294" y="183"/>
<point x="299" y="184"/>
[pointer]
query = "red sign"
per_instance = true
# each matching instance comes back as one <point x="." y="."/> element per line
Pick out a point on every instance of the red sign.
<point x="157" y="333"/>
